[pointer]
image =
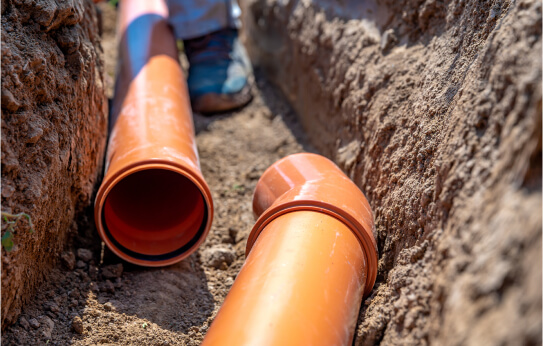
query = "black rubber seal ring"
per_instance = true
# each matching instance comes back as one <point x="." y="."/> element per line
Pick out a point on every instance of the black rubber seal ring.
<point x="162" y="257"/>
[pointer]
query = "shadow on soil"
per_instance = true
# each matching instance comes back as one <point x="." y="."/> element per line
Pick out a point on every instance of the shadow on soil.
<point x="175" y="297"/>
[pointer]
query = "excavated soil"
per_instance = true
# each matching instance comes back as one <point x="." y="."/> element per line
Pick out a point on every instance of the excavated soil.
<point x="95" y="298"/>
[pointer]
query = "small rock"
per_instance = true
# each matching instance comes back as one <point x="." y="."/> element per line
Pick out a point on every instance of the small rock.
<point x="85" y="277"/>
<point x="388" y="40"/>
<point x="74" y="293"/>
<point x="51" y="306"/>
<point x="34" y="135"/>
<point x="81" y="265"/>
<point x="24" y="323"/>
<point x="107" y="287"/>
<point x="93" y="272"/>
<point x="112" y="271"/>
<point x="84" y="254"/>
<point x="118" y="283"/>
<point x="109" y="307"/>
<point x="68" y="258"/>
<point x="7" y="190"/>
<point x="219" y="256"/>
<point x="47" y="325"/>
<point x="34" y="323"/>
<point x="77" y="325"/>
<point x="94" y="287"/>
<point x="233" y="232"/>
<point x="9" y="101"/>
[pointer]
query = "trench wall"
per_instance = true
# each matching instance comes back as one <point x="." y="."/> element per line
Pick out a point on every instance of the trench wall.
<point x="54" y="120"/>
<point x="434" y="110"/>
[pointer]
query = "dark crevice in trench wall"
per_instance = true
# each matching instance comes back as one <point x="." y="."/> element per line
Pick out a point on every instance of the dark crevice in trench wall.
<point x="434" y="110"/>
<point x="54" y="118"/>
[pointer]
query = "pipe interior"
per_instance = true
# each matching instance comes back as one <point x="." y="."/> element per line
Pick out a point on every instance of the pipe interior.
<point x="154" y="212"/>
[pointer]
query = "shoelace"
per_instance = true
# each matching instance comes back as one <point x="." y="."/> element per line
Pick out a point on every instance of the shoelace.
<point x="211" y="47"/>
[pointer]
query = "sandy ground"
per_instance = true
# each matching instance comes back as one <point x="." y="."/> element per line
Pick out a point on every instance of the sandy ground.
<point x="95" y="298"/>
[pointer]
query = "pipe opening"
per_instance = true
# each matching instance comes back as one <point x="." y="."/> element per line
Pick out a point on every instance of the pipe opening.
<point x="154" y="214"/>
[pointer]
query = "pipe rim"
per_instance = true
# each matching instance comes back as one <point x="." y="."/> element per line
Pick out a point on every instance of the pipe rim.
<point x="176" y="255"/>
<point x="365" y="240"/>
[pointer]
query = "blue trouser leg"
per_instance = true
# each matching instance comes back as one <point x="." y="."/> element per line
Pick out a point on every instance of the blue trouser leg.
<point x="195" y="18"/>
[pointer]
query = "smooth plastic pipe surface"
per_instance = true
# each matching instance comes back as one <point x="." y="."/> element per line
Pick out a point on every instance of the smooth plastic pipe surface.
<point x="311" y="257"/>
<point x="154" y="207"/>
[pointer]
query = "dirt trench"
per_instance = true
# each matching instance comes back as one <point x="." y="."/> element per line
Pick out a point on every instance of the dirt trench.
<point x="429" y="111"/>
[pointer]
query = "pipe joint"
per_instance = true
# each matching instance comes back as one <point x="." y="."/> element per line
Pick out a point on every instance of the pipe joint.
<point x="312" y="182"/>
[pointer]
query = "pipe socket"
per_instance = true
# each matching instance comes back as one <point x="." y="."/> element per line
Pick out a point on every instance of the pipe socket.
<point x="154" y="207"/>
<point x="311" y="257"/>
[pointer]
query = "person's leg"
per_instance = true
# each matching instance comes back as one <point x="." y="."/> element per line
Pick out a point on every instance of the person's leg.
<point x="219" y="68"/>
<point x="195" y="18"/>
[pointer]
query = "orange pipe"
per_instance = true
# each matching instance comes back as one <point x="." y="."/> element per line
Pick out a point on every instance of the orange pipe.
<point x="311" y="257"/>
<point x="154" y="207"/>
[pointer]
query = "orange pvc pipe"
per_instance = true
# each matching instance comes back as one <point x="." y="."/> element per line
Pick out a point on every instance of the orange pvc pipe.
<point x="154" y="207"/>
<point x="311" y="257"/>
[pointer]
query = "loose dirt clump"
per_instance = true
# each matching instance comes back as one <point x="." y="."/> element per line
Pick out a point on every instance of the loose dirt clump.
<point x="53" y="137"/>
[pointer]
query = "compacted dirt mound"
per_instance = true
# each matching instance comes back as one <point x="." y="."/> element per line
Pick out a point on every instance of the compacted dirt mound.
<point x="434" y="109"/>
<point x="54" y="117"/>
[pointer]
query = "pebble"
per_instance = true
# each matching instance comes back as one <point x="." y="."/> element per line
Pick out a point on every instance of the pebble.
<point x="53" y="307"/>
<point x="388" y="40"/>
<point x="34" y="323"/>
<point x="84" y="254"/>
<point x="233" y="233"/>
<point x="9" y="101"/>
<point x="93" y="272"/>
<point x="81" y="265"/>
<point x="73" y="303"/>
<point x="24" y="323"/>
<point x="94" y="287"/>
<point x="118" y="283"/>
<point x="74" y="293"/>
<point x="109" y="307"/>
<point x="219" y="256"/>
<point x="107" y="287"/>
<point x="77" y="325"/>
<point x="48" y="326"/>
<point x="68" y="258"/>
<point x="112" y="271"/>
